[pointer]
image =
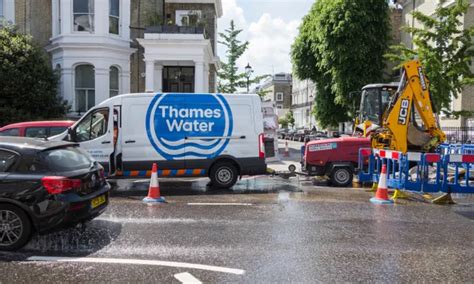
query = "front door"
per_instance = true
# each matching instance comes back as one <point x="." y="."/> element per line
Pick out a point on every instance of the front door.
<point x="178" y="79"/>
<point x="94" y="132"/>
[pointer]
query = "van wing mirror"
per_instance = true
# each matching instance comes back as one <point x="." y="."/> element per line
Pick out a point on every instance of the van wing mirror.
<point x="71" y="134"/>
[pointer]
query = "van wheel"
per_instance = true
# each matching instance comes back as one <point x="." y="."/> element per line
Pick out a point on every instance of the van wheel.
<point x="15" y="227"/>
<point x="223" y="175"/>
<point x="341" y="176"/>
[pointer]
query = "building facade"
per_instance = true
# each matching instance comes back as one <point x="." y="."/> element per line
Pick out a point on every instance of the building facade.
<point x="303" y="96"/>
<point x="102" y="48"/>
<point x="277" y="89"/>
<point x="465" y="100"/>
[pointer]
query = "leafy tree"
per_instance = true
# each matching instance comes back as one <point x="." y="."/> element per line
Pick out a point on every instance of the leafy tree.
<point x="283" y="122"/>
<point x="230" y="79"/>
<point x="340" y="47"/>
<point x="290" y="118"/>
<point x="27" y="81"/>
<point x="445" y="50"/>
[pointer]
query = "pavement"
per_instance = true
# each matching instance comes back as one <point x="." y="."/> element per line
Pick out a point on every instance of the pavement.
<point x="293" y="158"/>
<point x="266" y="230"/>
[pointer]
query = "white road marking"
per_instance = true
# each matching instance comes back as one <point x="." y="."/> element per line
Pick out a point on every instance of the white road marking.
<point x="138" y="262"/>
<point x="187" y="278"/>
<point x="220" y="204"/>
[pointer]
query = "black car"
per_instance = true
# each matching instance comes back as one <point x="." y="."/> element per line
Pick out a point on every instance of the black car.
<point x="46" y="186"/>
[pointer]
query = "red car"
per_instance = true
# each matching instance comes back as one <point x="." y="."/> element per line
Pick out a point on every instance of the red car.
<point x="35" y="128"/>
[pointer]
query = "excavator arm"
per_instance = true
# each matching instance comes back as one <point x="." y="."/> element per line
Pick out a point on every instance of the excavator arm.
<point x="401" y="130"/>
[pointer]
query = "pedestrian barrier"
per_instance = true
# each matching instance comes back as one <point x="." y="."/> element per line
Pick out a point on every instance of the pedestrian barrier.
<point x="450" y="170"/>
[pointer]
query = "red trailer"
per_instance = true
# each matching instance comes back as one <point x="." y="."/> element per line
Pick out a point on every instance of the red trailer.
<point x="335" y="158"/>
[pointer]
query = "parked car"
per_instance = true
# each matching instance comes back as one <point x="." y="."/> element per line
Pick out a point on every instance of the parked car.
<point x="289" y="135"/>
<point x="36" y="128"/>
<point x="299" y="135"/>
<point x="46" y="186"/>
<point x="282" y="133"/>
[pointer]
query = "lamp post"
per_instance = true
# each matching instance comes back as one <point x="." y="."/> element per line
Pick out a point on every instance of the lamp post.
<point x="248" y="73"/>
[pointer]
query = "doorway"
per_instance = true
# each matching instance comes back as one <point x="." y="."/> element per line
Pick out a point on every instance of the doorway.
<point x="178" y="79"/>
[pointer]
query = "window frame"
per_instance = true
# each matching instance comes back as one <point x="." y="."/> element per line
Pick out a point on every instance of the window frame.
<point x="277" y="97"/>
<point x="110" y="82"/>
<point x="87" y="90"/>
<point x="81" y="13"/>
<point x="119" y="27"/>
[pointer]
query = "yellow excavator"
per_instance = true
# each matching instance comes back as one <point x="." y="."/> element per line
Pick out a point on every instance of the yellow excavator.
<point x="408" y="122"/>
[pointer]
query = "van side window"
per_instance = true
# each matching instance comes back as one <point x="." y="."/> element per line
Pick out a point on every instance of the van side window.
<point x="93" y="125"/>
<point x="7" y="159"/>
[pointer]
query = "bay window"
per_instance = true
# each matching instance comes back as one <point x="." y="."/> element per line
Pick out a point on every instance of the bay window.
<point x="114" y="16"/>
<point x="83" y="13"/>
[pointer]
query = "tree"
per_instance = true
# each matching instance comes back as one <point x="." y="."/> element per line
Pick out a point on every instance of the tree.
<point x="27" y="82"/>
<point x="340" y="47"/>
<point x="290" y="118"/>
<point x="230" y="79"/>
<point x="444" y="49"/>
<point x="283" y="122"/>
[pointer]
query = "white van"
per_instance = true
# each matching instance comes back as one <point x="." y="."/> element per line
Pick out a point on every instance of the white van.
<point x="214" y="135"/>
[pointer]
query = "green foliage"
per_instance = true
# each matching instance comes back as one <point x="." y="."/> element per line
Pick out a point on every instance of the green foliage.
<point x="444" y="48"/>
<point x="27" y="81"/>
<point x="340" y="47"/>
<point x="290" y="118"/>
<point x="283" y="122"/>
<point x="230" y="79"/>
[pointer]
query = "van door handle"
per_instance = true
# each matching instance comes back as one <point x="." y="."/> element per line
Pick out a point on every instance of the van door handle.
<point x="105" y="142"/>
<point x="129" y="141"/>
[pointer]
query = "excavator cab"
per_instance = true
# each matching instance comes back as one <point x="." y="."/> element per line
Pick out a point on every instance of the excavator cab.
<point x="374" y="101"/>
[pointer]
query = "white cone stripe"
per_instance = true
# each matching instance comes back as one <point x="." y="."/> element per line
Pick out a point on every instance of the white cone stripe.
<point x="456" y="158"/>
<point x="154" y="180"/>
<point x="414" y="156"/>
<point x="383" y="181"/>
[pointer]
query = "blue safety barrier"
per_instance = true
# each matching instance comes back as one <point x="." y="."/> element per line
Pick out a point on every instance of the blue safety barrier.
<point x="451" y="169"/>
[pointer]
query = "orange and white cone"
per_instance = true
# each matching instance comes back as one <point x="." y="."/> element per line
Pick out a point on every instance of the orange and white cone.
<point x="154" y="195"/>
<point x="381" y="195"/>
<point x="287" y="152"/>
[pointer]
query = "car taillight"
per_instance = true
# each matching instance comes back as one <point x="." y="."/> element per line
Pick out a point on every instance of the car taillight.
<point x="261" y="146"/>
<point x="57" y="185"/>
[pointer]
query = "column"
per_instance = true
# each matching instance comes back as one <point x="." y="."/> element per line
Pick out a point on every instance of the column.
<point x="101" y="17"/>
<point x="125" y="79"/>
<point x="125" y="19"/>
<point x="158" y="78"/>
<point x="206" y="78"/>
<point x="65" y="11"/>
<point x="67" y="91"/>
<point x="55" y="17"/>
<point x="149" y="76"/>
<point x="198" y="77"/>
<point x="102" y="83"/>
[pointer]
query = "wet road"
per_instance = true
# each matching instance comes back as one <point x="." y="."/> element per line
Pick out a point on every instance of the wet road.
<point x="267" y="230"/>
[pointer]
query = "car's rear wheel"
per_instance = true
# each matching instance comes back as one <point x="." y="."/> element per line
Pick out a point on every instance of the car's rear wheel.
<point x="15" y="227"/>
<point x="223" y="175"/>
<point x="341" y="176"/>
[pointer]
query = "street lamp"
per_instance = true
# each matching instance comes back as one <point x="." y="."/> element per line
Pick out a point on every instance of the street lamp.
<point x="248" y="73"/>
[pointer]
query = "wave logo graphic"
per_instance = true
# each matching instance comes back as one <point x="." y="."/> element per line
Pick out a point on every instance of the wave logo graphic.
<point x="191" y="126"/>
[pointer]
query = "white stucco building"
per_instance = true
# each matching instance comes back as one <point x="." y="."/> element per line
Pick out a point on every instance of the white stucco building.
<point x="303" y="96"/>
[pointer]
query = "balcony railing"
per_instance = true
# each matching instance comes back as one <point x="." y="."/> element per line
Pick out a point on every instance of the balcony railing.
<point x="175" y="29"/>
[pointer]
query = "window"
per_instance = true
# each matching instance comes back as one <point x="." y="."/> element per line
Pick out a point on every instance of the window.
<point x="92" y="126"/>
<point x="66" y="159"/>
<point x="1" y="8"/>
<point x="114" y="81"/>
<point x="7" y="159"/>
<point x="10" y="132"/>
<point x="279" y="97"/>
<point x="85" y="87"/>
<point x="188" y="18"/>
<point x="36" y="132"/>
<point x="83" y="13"/>
<point x="114" y="16"/>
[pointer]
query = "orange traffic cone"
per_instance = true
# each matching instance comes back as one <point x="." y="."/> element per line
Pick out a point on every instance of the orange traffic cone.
<point x="287" y="152"/>
<point x="154" y="189"/>
<point x="381" y="196"/>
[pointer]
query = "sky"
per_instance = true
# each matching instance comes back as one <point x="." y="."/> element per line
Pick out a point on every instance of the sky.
<point x="270" y="27"/>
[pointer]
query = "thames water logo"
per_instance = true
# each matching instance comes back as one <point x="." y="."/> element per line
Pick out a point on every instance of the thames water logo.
<point x="191" y="126"/>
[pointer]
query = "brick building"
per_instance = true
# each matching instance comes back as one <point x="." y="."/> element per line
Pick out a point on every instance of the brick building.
<point x="103" y="48"/>
<point x="277" y="89"/>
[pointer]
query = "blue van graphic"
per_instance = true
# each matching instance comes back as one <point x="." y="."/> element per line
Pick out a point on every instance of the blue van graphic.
<point x="180" y="125"/>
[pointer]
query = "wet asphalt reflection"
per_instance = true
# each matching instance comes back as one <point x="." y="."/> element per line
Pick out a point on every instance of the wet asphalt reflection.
<point x="275" y="230"/>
